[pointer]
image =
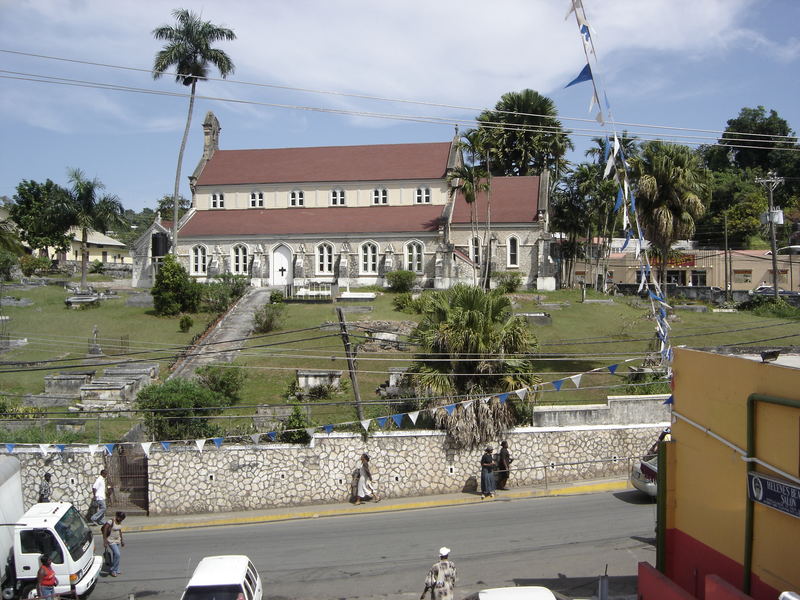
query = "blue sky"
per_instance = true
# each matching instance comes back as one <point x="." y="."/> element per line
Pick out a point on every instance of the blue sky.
<point x="681" y="63"/>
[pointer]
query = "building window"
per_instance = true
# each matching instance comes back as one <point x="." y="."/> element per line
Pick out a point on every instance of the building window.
<point x="475" y="250"/>
<point x="380" y="196"/>
<point x="218" y="200"/>
<point x="256" y="199"/>
<point x="742" y="276"/>
<point x="105" y="256"/>
<point x="783" y="275"/>
<point x="414" y="257"/>
<point x="513" y="252"/>
<point x="199" y="264"/>
<point x="239" y="260"/>
<point x="324" y="259"/>
<point x="296" y="198"/>
<point x="369" y="258"/>
<point x="337" y="197"/>
<point x="423" y="196"/>
<point x="699" y="278"/>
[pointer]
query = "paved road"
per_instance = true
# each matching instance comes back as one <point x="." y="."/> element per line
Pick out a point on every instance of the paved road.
<point x="562" y="542"/>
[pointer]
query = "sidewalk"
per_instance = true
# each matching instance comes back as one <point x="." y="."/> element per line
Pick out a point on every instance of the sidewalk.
<point x="136" y="523"/>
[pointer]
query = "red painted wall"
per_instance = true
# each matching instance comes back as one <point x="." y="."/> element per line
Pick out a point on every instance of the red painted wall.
<point x="652" y="585"/>
<point x="719" y="589"/>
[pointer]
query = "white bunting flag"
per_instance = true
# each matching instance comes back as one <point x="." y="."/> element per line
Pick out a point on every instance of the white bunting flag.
<point x="576" y="379"/>
<point x="365" y="424"/>
<point x="413" y="416"/>
<point x="522" y="393"/>
<point x="486" y="399"/>
<point x="467" y="404"/>
<point x="256" y="437"/>
<point x="310" y="431"/>
<point x="93" y="448"/>
<point x="200" y="444"/>
<point x="146" y="448"/>
<point x="43" y="448"/>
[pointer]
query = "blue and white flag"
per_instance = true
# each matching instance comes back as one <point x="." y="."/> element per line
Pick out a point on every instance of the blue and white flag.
<point x="584" y="75"/>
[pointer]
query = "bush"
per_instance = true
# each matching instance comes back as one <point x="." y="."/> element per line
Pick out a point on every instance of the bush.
<point x="402" y="302"/>
<point x="400" y="281"/>
<point x="227" y="381"/>
<point x="764" y="305"/>
<point x="174" y="291"/>
<point x="276" y="297"/>
<point x="7" y="263"/>
<point x="508" y="282"/>
<point x="222" y="292"/>
<point x="269" y="318"/>
<point x="97" y="266"/>
<point x="298" y="421"/>
<point x="32" y="265"/>
<point x="185" y="324"/>
<point x="183" y="407"/>
<point x="320" y="392"/>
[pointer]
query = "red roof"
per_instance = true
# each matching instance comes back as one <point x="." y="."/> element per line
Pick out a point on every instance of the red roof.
<point x="324" y="220"/>
<point x="382" y="162"/>
<point x="514" y="200"/>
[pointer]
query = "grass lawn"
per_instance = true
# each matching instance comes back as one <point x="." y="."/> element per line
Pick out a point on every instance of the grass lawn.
<point x="582" y="337"/>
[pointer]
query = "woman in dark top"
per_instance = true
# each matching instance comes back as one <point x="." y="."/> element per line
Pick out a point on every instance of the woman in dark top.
<point x="487" y="473"/>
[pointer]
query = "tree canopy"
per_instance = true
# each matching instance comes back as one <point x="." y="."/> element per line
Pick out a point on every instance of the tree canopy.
<point x="39" y="212"/>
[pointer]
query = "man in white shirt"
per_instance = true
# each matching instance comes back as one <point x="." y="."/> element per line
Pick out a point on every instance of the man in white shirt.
<point x="99" y="495"/>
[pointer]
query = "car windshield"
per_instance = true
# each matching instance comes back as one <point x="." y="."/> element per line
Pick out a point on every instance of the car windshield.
<point x="74" y="532"/>
<point x="212" y="592"/>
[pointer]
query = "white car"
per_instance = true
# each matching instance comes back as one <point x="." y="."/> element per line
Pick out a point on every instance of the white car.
<point x="644" y="475"/>
<point x="523" y="592"/>
<point x="231" y="577"/>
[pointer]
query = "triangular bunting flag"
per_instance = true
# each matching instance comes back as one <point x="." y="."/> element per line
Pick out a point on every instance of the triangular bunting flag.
<point x="486" y="399"/>
<point x="92" y="448"/>
<point x="217" y="441"/>
<point x="311" y="431"/>
<point x="327" y="428"/>
<point x="10" y="448"/>
<point x="503" y="398"/>
<point x="60" y="447"/>
<point x="620" y="198"/>
<point x="522" y="393"/>
<point x="381" y="421"/>
<point x="413" y="416"/>
<point x="450" y="408"/>
<point x="612" y="369"/>
<point x="576" y="379"/>
<point x="166" y="445"/>
<point x="109" y="448"/>
<point x="557" y="384"/>
<point x="398" y="419"/>
<point x="199" y="444"/>
<point x="584" y="75"/>
<point x="272" y="436"/>
<point x="146" y="448"/>
<point x="669" y="400"/>
<point x="44" y="448"/>
<point x="256" y="437"/>
<point x="365" y="424"/>
<point x="467" y="404"/>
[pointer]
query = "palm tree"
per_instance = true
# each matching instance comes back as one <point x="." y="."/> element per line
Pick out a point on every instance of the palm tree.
<point x="189" y="50"/>
<point x="671" y="185"/>
<point x="470" y="344"/>
<point x="88" y="210"/>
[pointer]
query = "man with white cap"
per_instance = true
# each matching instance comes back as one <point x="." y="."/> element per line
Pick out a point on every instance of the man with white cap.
<point x="441" y="578"/>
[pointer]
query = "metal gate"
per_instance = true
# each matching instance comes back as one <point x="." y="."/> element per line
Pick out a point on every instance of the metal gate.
<point x="126" y="473"/>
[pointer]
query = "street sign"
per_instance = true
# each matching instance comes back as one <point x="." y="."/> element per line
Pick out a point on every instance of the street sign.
<point x="776" y="493"/>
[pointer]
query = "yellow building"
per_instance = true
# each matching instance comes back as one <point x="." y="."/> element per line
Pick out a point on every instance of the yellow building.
<point x="100" y="246"/>
<point x="731" y="506"/>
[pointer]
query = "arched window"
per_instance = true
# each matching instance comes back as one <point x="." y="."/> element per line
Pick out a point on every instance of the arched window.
<point x="239" y="259"/>
<point x="475" y="250"/>
<point x="512" y="257"/>
<point x="369" y="258"/>
<point x="256" y="199"/>
<point x="218" y="200"/>
<point x="380" y="196"/>
<point x="337" y="197"/>
<point x="199" y="260"/>
<point x="423" y="196"/>
<point x="324" y="259"/>
<point x="296" y="198"/>
<point x="414" y="257"/>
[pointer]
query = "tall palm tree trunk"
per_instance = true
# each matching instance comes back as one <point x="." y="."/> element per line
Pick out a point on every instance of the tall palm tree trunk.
<point x="178" y="172"/>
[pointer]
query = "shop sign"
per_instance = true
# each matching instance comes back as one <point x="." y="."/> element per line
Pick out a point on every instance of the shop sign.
<point x="776" y="493"/>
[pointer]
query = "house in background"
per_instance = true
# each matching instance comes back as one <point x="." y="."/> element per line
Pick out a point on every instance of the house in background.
<point x="99" y="245"/>
<point x="348" y="215"/>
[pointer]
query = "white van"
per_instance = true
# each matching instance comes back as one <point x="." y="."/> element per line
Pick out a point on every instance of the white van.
<point x="231" y="577"/>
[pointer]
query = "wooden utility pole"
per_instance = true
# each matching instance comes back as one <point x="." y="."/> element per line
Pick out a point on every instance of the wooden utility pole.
<point x="728" y="282"/>
<point x="351" y="363"/>
<point x="771" y="181"/>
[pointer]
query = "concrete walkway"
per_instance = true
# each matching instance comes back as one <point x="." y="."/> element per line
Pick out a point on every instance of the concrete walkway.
<point x="136" y="523"/>
<point x="227" y="337"/>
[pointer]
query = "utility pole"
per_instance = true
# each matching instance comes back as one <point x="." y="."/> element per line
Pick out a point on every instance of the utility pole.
<point x="770" y="182"/>
<point x="351" y="363"/>
<point x="728" y="282"/>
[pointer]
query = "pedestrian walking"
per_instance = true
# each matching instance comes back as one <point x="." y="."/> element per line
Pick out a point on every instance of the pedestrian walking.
<point x="112" y="539"/>
<point x="46" y="579"/>
<point x="365" y="490"/>
<point x="487" y="473"/>
<point x="45" y="488"/>
<point x="442" y="577"/>
<point x="99" y="496"/>
<point x="503" y="466"/>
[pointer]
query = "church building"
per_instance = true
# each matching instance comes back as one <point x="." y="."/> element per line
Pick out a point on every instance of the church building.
<point x="289" y="218"/>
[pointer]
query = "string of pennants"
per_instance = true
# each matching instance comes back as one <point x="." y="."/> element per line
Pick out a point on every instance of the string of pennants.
<point x="616" y="163"/>
<point x="397" y="419"/>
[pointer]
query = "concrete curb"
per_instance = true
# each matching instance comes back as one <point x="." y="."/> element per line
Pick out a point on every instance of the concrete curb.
<point x="395" y="505"/>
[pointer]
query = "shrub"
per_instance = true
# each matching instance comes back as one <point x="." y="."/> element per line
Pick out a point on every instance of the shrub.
<point x="31" y="265"/>
<point x="764" y="305"/>
<point x="226" y="381"/>
<point x="174" y="291"/>
<point x="276" y="297"/>
<point x="320" y="392"/>
<point x="219" y="294"/>
<point x="508" y="282"/>
<point x="269" y="318"/>
<point x="185" y="324"/>
<point x="182" y="407"/>
<point x="402" y="302"/>
<point x="97" y="266"/>
<point x="400" y="281"/>
<point x="7" y="263"/>
<point x="298" y="421"/>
